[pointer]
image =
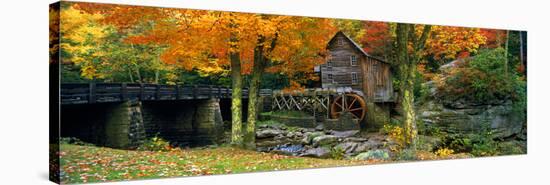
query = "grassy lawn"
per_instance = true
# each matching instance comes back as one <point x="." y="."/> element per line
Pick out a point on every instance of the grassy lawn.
<point x="98" y="164"/>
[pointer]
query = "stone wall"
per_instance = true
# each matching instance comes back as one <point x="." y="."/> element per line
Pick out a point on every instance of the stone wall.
<point x="208" y="123"/>
<point x="117" y="125"/>
<point x="170" y="120"/>
<point x="345" y="122"/>
<point x="377" y="115"/>
<point x="501" y="119"/>
<point x="124" y="125"/>
<point x="184" y="123"/>
<point x="128" y="124"/>
<point x="305" y="122"/>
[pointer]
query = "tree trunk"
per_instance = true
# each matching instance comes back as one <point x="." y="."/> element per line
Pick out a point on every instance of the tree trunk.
<point x="156" y="76"/>
<point x="236" y="98"/>
<point x="506" y="53"/>
<point x="521" y="52"/>
<point x="253" y="96"/>
<point x="407" y="72"/>
<point x="131" y="76"/>
<point x="138" y="75"/>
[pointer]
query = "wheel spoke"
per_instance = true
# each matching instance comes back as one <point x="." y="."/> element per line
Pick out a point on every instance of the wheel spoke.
<point x="338" y="104"/>
<point x="360" y="108"/>
<point x="351" y="104"/>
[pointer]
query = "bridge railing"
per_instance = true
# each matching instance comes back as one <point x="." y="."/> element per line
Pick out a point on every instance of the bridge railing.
<point x="79" y="93"/>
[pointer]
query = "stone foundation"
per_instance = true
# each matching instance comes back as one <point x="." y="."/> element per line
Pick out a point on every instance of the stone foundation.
<point x="305" y="122"/>
<point x="124" y="126"/>
<point x="345" y="122"/>
<point x="377" y="115"/>
<point x="128" y="124"/>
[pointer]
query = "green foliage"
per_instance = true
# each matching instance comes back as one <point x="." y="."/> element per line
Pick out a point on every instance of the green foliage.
<point x="155" y="144"/>
<point x="481" y="79"/>
<point x="520" y="102"/>
<point x="478" y="144"/>
<point x="337" y="152"/>
<point x="512" y="148"/>
<point x="430" y="130"/>
<point x="406" y="155"/>
<point x="373" y="154"/>
<point x="420" y="90"/>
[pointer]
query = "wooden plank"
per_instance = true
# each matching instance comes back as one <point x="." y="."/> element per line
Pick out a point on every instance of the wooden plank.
<point x="123" y="92"/>
<point x="177" y="92"/>
<point x="141" y="92"/>
<point x="92" y="93"/>
<point x="195" y="91"/>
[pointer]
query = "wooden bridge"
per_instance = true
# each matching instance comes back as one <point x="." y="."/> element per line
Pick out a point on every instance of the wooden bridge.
<point x="82" y="93"/>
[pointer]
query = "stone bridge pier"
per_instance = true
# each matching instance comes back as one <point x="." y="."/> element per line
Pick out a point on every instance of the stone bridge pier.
<point x="128" y="124"/>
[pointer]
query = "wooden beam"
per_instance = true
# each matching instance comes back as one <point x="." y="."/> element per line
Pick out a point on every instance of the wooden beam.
<point x="123" y="92"/>
<point x="92" y="93"/>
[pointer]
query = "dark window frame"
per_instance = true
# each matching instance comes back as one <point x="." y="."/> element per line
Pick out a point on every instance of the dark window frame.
<point x="353" y="60"/>
<point x="354" y="78"/>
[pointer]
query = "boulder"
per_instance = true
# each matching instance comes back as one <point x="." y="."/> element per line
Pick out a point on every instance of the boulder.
<point x="324" y="140"/>
<point x="268" y="133"/>
<point x="348" y="133"/>
<point x="366" y="146"/>
<point x="355" y="139"/>
<point x="309" y="136"/>
<point x="373" y="154"/>
<point x="319" y="152"/>
<point x="500" y="119"/>
<point x="348" y="147"/>
<point x="428" y="143"/>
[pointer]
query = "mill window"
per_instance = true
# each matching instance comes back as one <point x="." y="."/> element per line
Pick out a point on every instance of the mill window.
<point x="353" y="60"/>
<point x="354" y="78"/>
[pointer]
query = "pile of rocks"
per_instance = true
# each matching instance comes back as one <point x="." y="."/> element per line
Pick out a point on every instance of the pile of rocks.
<point x="318" y="142"/>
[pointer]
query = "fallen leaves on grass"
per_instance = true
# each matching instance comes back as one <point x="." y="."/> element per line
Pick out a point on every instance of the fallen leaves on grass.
<point x="98" y="164"/>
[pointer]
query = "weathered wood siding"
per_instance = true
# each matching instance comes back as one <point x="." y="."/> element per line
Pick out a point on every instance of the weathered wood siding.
<point x="374" y="76"/>
<point x="342" y="69"/>
<point x="378" y="81"/>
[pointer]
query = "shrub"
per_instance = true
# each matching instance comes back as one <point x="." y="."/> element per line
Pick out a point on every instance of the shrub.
<point x="512" y="148"/>
<point x="444" y="152"/>
<point x="478" y="144"/>
<point x="337" y="152"/>
<point x="479" y="79"/>
<point x="407" y="155"/>
<point x="155" y="144"/>
<point x="397" y="134"/>
<point x="373" y="155"/>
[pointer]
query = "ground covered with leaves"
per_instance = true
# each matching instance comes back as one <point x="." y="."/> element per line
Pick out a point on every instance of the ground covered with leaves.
<point x="99" y="164"/>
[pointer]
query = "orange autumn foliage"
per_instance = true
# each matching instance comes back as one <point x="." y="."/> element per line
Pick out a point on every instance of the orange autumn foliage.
<point x="448" y="42"/>
<point x="200" y="40"/>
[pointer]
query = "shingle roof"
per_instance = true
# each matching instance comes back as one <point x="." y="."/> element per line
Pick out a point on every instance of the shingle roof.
<point x="357" y="46"/>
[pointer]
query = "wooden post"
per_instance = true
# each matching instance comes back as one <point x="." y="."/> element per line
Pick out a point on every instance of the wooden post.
<point x="123" y="92"/>
<point x="141" y="92"/>
<point x="157" y="92"/>
<point x="219" y="91"/>
<point x="210" y="90"/>
<point x="92" y="93"/>
<point x="228" y="93"/>
<point x="195" y="89"/>
<point x="177" y="92"/>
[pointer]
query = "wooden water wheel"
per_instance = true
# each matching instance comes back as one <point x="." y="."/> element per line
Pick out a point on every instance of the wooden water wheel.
<point x="352" y="103"/>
